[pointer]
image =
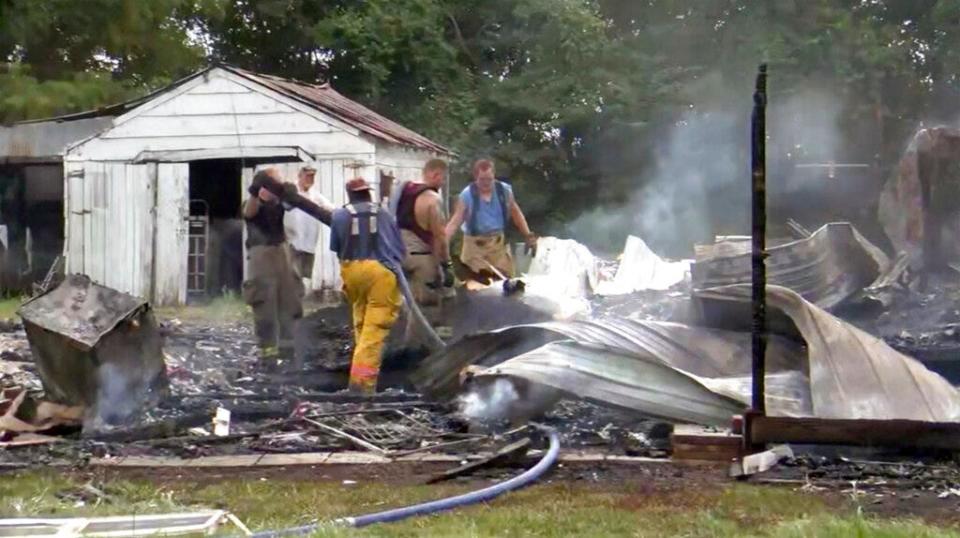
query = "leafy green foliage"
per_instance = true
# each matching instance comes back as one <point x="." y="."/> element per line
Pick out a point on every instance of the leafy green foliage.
<point x="571" y="97"/>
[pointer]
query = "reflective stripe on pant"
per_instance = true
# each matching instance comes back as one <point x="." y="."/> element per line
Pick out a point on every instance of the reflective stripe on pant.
<point x="374" y="297"/>
<point x="273" y="292"/>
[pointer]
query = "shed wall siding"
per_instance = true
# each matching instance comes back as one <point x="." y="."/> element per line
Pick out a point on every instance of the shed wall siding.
<point x="173" y="209"/>
<point x="219" y="113"/>
<point x="110" y="224"/>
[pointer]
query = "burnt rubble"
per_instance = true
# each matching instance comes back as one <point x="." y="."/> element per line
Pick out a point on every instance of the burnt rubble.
<point x="211" y="366"/>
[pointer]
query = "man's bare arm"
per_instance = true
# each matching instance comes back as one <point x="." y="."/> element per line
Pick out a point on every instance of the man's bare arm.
<point x="251" y="208"/>
<point x="459" y="213"/>
<point x="440" y="247"/>
<point x="520" y="221"/>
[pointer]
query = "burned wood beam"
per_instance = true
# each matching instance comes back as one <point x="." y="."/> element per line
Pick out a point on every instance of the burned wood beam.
<point x="889" y="433"/>
<point x="759" y="217"/>
<point x="507" y="453"/>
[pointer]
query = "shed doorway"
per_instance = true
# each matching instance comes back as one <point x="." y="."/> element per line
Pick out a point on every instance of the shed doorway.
<point x="31" y="224"/>
<point x="215" y="229"/>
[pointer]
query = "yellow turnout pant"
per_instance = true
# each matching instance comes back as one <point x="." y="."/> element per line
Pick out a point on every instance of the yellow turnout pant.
<point x="374" y="297"/>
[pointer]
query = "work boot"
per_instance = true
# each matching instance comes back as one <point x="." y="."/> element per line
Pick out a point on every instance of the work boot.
<point x="287" y="359"/>
<point x="269" y="358"/>
<point x="362" y="386"/>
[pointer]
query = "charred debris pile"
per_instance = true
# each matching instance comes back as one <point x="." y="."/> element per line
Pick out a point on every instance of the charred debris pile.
<point x="611" y="352"/>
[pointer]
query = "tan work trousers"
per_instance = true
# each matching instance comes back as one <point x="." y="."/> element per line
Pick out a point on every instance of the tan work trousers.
<point x="421" y="269"/>
<point x="274" y="292"/>
<point x="481" y="251"/>
<point x="302" y="263"/>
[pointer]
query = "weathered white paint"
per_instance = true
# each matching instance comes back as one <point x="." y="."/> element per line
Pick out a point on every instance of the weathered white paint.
<point x="221" y="110"/>
<point x="173" y="210"/>
<point x="114" y="203"/>
<point x="110" y="224"/>
<point x="127" y="149"/>
<point x="258" y="152"/>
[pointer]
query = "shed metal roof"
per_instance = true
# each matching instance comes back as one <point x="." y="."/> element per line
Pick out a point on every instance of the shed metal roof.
<point x="45" y="139"/>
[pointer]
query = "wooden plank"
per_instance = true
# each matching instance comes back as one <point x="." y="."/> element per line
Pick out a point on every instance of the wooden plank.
<point x="505" y="454"/>
<point x="705" y="452"/>
<point x="127" y="149"/>
<point x="171" y="246"/>
<point x="227" y="124"/>
<point x="894" y="433"/>
<point x="246" y="178"/>
<point x="218" y="85"/>
<point x="74" y="173"/>
<point x="91" y="170"/>
<point x="145" y="176"/>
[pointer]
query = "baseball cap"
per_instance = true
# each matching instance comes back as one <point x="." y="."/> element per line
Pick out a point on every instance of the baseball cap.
<point x="358" y="184"/>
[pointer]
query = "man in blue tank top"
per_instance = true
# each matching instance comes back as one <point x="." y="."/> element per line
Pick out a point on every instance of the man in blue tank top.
<point x="482" y="212"/>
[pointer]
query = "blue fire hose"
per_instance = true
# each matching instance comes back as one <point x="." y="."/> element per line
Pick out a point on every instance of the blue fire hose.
<point x="482" y="495"/>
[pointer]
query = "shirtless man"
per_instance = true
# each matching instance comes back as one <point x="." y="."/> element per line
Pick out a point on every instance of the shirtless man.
<point x="421" y="221"/>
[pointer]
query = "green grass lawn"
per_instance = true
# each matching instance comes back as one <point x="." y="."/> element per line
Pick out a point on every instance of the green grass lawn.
<point x="9" y="306"/>
<point x="550" y="509"/>
<point x="227" y="308"/>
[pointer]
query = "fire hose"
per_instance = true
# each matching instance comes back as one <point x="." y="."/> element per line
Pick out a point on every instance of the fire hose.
<point x="482" y="495"/>
<point x="288" y="194"/>
<point x="434" y="339"/>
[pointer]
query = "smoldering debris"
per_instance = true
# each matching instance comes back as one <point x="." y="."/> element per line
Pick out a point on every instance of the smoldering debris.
<point x="96" y="347"/>
<point x="213" y="365"/>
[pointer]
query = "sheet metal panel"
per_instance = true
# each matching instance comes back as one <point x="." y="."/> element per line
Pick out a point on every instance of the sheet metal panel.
<point x="827" y="268"/>
<point x="46" y="140"/>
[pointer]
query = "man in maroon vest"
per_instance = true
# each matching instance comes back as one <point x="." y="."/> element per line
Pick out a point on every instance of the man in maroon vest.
<point x="421" y="221"/>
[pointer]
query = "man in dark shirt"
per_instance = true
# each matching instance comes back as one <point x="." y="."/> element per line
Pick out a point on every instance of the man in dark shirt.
<point x="272" y="289"/>
<point x="368" y="244"/>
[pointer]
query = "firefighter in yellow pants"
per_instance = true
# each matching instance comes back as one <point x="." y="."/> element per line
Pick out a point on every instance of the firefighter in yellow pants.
<point x="368" y="244"/>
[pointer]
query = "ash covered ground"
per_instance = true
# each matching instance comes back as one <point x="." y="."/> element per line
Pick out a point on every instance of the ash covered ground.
<point x="212" y="364"/>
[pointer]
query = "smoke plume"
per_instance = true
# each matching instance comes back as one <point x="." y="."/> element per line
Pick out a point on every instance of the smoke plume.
<point x="697" y="183"/>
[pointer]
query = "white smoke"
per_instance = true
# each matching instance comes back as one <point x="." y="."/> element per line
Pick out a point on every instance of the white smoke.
<point x="697" y="184"/>
<point x="488" y="402"/>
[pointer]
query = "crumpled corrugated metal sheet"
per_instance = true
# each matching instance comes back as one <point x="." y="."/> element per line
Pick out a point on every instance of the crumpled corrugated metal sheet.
<point x="901" y="206"/>
<point x="853" y="374"/>
<point x="622" y="379"/>
<point x="828" y="268"/>
<point x="699" y="351"/>
<point x="821" y="366"/>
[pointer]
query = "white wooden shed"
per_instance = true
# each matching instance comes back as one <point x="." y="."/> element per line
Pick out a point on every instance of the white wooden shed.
<point x="132" y="190"/>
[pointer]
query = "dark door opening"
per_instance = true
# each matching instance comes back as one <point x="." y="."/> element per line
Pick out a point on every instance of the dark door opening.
<point x="31" y="224"/>
<point x="215" y="258"/>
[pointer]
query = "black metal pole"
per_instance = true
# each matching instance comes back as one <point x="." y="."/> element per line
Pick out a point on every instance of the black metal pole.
<point x="759" y="204"/>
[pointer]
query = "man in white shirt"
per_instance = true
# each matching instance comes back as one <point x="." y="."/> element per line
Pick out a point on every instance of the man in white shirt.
<point x="303" y="230"/>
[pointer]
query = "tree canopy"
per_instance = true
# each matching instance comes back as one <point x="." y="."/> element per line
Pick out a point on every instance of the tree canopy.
<point x="574" y="99"/>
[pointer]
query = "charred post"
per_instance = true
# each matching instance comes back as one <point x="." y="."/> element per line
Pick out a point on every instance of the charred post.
<point x="759" y="213"/>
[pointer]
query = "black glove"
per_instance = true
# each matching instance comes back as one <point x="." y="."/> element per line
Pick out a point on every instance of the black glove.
<point x="255" y="187"/>
<point x="446" y="270"/>
<point x="288" y="193"/>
